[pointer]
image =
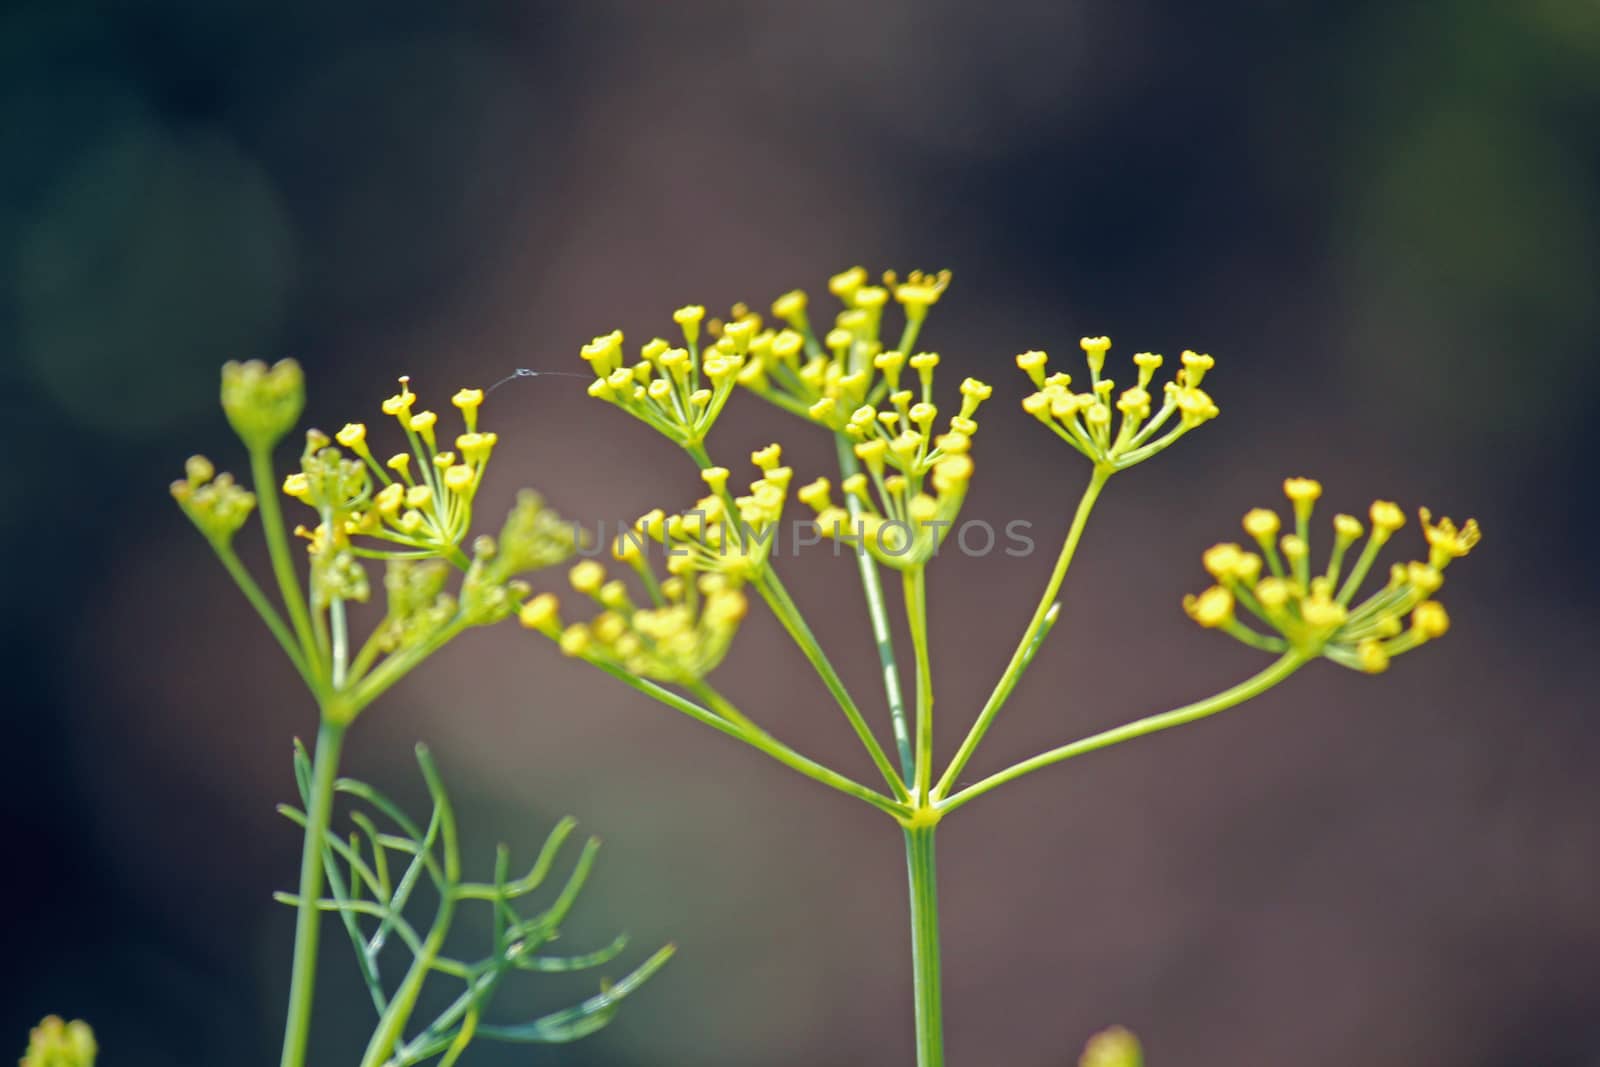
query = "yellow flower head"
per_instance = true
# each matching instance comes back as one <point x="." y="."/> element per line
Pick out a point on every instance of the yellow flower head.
<point x="677" y="391"/>
<point x="723" y="533"/>
<point x="1084" y="418"/>
<point x="418" y="503"/>
<point x="1292" y="608"/>
<point x="679" y="636"/>
<point x="830" y="378"/>
<point x="904" y="503"/>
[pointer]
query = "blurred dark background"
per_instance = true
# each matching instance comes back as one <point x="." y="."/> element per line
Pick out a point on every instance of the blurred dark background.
<point x="1382" y="219"/>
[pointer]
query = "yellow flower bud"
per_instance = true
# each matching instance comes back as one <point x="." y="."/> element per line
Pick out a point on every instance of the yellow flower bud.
<point x="1302" y="490"/>
<point x="791" y="307"/>
<point x="1212" y="608"/>
<point x="844" y="284"/>
<point x="399" y="405"/>
<point x="1095" y="348"/>
<point x="1386" y="518"/>
<point x="587" y="576"/>
<point x="1221" y="561"/>
<point x="353" y="436"/>
<point x="716" y="478"/>
<point x="540" y="613"/>
<point x="1347" y="527"/>
<point x="1430" y="620"/>
<point x="1261" y="523"/>
<point x="575" y="639"/>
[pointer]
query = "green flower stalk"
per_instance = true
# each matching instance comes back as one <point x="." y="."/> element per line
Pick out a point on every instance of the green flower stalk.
<point x="414" y="512"/>
<point x="903" y="477"/>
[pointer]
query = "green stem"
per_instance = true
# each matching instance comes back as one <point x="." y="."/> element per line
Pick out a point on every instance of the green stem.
<point x="266" y="485"/>
<point x="759" y="740"/>
<point x="397" y="666"/>
<point x="916" y="587"/>
<point x="777" y="598"/>
<point x="269" y="615"/>
<point x="341" y="643"/>
<point x="308" y="921"/>
<point x="921" y="873"/>
<point x="723" y="708"/>
<point x="873" y="588"/>
<point x="1042" y="615"/>
<point x="1253" y="686"/>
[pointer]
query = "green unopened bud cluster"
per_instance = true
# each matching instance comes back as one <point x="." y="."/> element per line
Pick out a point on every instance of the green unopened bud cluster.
<point x="215" y="503"/>
<point x="533" y="537"/>
<point x="1115" y="1047"/>
<point x="263" y="403"/>
<point x="54" y="1043"/>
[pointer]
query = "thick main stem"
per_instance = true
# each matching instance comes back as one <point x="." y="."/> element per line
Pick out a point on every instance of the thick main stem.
<point x="308" y="921"/>
<point x="922" y="876"/>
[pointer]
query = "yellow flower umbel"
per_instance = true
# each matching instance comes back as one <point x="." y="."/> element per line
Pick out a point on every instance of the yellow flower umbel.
<point x="679" y="638"/>
<point x="679" y="392"/>
<point x="1312" y="614"/>
<point x="829" y="379"/>
<point x="1085" y="420"/>
<point x="913" y="484"/>
<point x="722" y="533"/>
<point x="419" y="500"/>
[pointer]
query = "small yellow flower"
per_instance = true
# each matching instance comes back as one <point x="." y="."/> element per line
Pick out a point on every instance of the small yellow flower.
<point x="1386" y="516"/>
<point x="1261" y="524"/>
<point x="353" y="436"/>
<point x="541" y="613"/>
<point x="587" y="576"/>
<point x="1430" y="619"/>
<point x="1370" y="656"/>
<point x="1212" y="608"/>
<point x="1445" y="541"/>
<point x="1302" y="493"/>
<point x="399" y="405"/>
<point x="919" y="291"/>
